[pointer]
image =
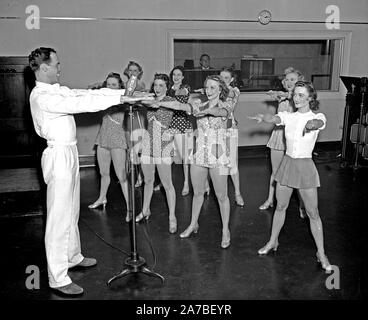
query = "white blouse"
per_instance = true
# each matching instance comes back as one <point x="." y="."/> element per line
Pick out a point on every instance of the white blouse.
<point x="53" y="106"/>
<point x="299" y="145"/>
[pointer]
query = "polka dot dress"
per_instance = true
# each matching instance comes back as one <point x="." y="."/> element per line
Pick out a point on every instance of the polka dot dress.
<point x="180" y="122"/>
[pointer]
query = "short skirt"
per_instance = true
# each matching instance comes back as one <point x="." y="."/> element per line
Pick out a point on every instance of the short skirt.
<point x="300" y="173"/>
<point x="111" y="135"/>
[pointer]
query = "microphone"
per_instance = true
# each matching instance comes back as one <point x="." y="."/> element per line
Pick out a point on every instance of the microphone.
<point x="131" y="85"/>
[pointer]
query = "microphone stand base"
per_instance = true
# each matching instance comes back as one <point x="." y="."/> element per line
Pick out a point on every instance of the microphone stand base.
<point x="136" y="265"/>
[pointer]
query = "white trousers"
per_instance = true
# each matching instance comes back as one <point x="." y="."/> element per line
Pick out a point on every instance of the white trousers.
<point x="60" y="167"/>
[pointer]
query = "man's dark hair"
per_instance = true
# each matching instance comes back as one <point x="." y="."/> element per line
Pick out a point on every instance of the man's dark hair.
<point x="39" y="56"/>
<point x="204" y="55"/>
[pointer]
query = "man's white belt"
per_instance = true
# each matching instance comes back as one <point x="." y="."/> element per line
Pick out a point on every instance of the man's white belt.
<point x="52" y="143"/>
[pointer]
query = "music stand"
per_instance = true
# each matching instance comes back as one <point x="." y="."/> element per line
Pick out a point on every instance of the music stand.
<point x="135" y="263"/>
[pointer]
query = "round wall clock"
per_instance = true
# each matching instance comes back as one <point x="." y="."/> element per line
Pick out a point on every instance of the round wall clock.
<point x="264" y="17"/>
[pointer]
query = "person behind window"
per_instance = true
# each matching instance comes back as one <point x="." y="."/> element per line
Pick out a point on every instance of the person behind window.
<point x="205" y="62"/>
<point x="111" y="145"/>
<point x="297" y="169"/>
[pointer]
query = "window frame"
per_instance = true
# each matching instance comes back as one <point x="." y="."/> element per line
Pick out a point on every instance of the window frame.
<point x="239" y="34"/>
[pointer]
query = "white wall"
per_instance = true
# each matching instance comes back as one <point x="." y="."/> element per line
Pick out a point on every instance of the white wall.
<point x="88" y="50"/>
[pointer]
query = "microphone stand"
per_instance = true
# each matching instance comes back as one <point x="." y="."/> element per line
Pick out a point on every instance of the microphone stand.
<point x="134" y="264"/>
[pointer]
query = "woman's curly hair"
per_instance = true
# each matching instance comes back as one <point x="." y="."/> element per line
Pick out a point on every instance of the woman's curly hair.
<point x="313" y="103"/>
<point x="133" y="63"/>
<point x="224" y="90"/>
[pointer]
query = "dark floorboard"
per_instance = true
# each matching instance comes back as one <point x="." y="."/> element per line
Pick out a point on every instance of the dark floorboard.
<point x="197" y="268"/>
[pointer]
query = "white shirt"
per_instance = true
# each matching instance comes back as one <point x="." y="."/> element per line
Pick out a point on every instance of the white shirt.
<point x="53" y="106"/>
<point x="297" y="145"/>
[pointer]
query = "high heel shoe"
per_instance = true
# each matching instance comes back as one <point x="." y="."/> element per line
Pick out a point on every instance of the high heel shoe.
<point x="173" y="226"/>
<point x="324" y="262"/>
<point x="225" y="242"/>
<point x="185" y="190"/>
<point x="97" y="204"/>
<point x="142" y="215"/>
<point x="239" y="200"/>
<point x="268" y="247"/>
<point x="266" y="205"/>
<point x="188" y="231"/>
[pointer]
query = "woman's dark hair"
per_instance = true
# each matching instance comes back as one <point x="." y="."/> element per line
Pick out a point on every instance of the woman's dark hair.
<point x="224" y="90"/>
<point x="161" y="76"/>
<point x="313" y="103"/>
<point x="39" y="56"/>
<point x="133" y="63"/>
<point x="117" y="77"/>
<point x="182" y="70"/>
<point x="228" y="69"/>
<point x="232" y="73"/>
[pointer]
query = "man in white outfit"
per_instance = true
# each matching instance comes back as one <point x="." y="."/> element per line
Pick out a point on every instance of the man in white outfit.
<point x="52" y="108"/>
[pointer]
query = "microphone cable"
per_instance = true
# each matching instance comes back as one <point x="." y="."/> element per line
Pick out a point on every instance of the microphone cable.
<point x="102" y="239"/>
<point x="145" y="230"/>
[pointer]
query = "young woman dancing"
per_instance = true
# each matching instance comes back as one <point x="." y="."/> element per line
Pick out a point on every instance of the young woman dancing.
<point x="158" y="151"/>
<point x="297" y="169"/>
<point x="227" y="75"/>
<point x="276" y="143"/>
<point x="181" y="126"/>
<point x="111" y="145"/>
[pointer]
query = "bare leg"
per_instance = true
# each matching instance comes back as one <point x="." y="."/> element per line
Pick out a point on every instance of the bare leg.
<point x="310" y="199"/>
<point x="118" y="159"/>
<point x="164" y="171"/>
<point x="276" y="158"/>
<point x="198" y="177"/>
<point x="283" y="194"/>
<point x="219" y="182"/>
<point x="104" y="161"/>
<point x="185" y="190"/>
<point x="149" y="178"/>
<point x="236" y="181"/>
<point x="180" y="146"/>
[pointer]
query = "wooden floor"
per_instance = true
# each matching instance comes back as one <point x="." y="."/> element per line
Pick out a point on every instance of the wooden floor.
<point x="198" y="268"/>
<point x="19" y="180"/>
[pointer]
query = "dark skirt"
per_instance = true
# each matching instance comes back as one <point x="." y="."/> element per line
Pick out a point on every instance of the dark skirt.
<point x="297" y="173"/>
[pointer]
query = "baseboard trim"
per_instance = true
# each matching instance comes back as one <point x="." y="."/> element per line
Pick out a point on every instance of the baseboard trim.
<point x="86" y="161"/>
